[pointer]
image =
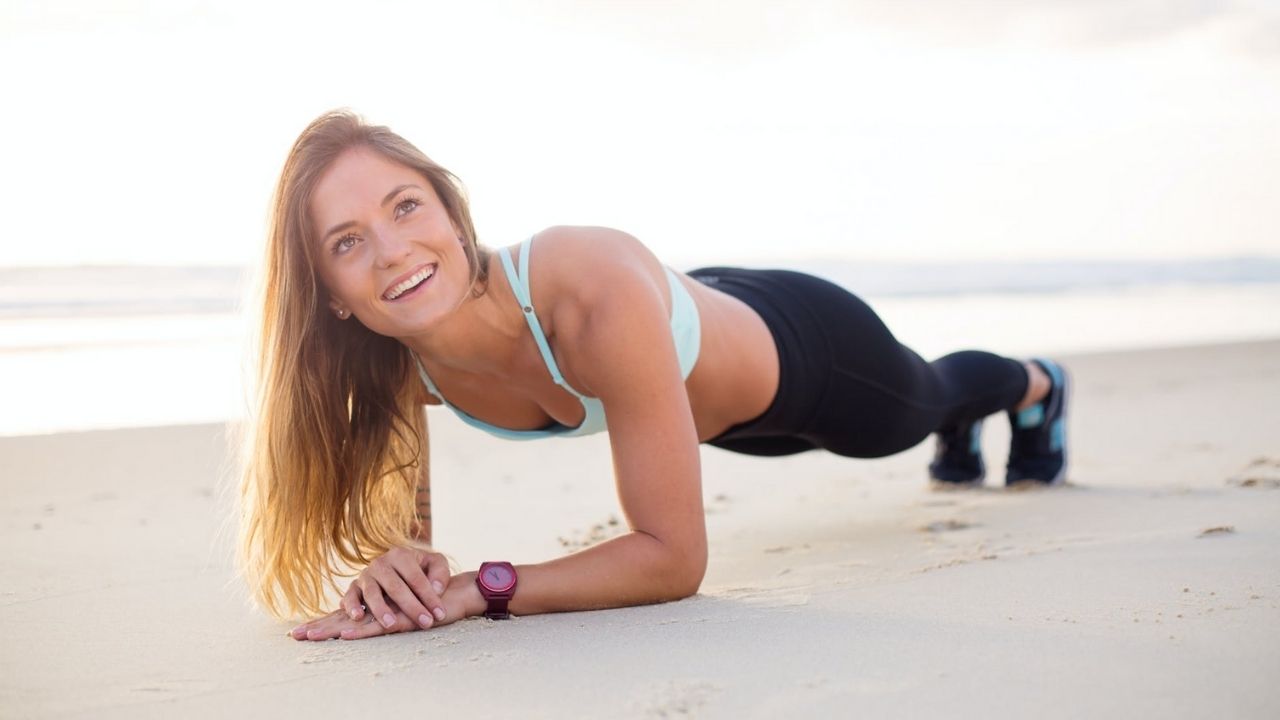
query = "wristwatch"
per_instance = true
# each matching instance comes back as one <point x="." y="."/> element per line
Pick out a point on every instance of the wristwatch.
<point x="497" y="583"/>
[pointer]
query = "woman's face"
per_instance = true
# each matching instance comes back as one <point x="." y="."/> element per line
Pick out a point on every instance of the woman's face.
<point x="387" y="251"/>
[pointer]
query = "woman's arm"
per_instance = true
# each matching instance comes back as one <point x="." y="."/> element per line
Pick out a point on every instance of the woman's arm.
<point x="622" y="352"/>
<point x="422" y="499"/>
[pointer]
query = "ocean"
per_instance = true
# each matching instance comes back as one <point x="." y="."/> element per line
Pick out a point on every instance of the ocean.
<point x="104" y="347"/>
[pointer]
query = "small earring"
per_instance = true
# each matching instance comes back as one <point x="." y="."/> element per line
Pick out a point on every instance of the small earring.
<point x="342" y="313"/>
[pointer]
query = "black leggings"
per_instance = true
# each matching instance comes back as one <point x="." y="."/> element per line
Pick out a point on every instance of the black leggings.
<point x="846" y="384"/>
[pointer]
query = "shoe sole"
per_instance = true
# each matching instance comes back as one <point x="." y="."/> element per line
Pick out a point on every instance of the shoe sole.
<point x="945" y="485"/>
<point x="959" y="483"/>
<point x="939" y="482"/>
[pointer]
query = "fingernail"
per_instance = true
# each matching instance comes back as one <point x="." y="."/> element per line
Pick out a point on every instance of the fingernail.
<point x="353" y="613"/>
<point x="439" y="613"/>
<point x="424" y="621"/>
<point x="388" y="620"/>
<point x="438" y="586"/>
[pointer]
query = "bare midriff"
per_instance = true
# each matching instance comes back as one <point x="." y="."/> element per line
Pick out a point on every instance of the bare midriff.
<point x="736" y="376"/>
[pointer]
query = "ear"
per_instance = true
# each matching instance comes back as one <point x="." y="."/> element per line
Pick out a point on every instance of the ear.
<point x="338" y="309"/>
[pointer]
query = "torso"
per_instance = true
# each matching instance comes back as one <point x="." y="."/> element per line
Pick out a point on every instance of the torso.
<point x="734" y="380"/>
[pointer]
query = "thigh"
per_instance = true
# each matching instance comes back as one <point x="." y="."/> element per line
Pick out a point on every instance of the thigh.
<point x="765" y="446"/>
<point x="880" y="396"/>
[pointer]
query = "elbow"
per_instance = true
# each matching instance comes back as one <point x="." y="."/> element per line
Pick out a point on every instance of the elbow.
<point x="686" y="576"/>
<point x="675" y="568"/>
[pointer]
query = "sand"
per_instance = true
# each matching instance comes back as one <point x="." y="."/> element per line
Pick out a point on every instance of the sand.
<point x="1149" y="586"/>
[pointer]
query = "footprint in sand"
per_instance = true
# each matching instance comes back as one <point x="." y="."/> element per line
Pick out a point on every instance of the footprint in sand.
<point x="1262" y="472"/>
<point x="781" y="549"/>
<point x="768" y="597"/>
<point x="679" y="699"/>
<point x="175" y="687"/>
<point x="715" y="505"/>
<point x="598" y="533"/>
<point x="946" y="526"/>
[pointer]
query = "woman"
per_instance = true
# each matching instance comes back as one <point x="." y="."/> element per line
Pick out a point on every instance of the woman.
<point x="378" y="299"/>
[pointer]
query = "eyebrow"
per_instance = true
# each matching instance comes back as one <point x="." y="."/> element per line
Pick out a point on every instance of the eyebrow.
<point x="351" y="223"/>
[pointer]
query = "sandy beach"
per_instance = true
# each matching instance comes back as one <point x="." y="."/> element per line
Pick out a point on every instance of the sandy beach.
<point x="1148" y="586"/>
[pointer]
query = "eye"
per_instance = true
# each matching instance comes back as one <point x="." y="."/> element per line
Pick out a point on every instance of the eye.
<point x="407" y="205"/>
<point x="344" y="243"/>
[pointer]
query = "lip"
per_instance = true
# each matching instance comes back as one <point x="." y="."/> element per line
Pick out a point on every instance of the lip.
<point x="416" y="269"/>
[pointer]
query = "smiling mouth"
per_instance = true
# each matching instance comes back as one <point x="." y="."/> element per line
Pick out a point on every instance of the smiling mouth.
<point x="409" y="284"/>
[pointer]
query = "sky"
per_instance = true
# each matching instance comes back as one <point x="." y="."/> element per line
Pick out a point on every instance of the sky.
<point x="152" y="133"/>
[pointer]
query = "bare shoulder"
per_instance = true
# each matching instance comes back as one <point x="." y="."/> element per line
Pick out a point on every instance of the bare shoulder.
<point x="601" y="249"/>
<point x="579" y="266"/>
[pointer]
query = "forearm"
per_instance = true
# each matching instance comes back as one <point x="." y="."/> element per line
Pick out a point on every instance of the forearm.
<point x="422" y="513"/>
<point x="422" y="498"/>
<point x="634" y="569"/>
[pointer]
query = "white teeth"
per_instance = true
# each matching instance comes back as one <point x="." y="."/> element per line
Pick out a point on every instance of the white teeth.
<point x="412" y="282"/>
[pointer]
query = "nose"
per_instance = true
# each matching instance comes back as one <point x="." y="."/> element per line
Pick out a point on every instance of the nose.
<point x="391" y="248"/>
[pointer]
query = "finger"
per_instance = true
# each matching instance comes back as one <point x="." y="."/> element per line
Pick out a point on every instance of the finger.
<point x="329" y="627"/>
<point x="372" y="587"/>
<point x="323" y="628"/>
<point x="369" y="626"/>
<point x="362" y="631"/>
<point x="367" y="629"/>
<point x="405" y="597"/>
<point x="425" y="600"/>
<point x="438" y="572"/>
<point x="351" y="602"/>
<point x="300" y="632"/>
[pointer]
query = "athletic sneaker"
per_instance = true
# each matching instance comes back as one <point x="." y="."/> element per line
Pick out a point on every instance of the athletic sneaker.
<point x="957" y="458"/>
<point x="1037" y="448"/>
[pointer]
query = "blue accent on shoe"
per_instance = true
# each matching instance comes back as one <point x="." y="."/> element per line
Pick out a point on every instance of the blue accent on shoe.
<point x="975" y="438"/>
<point x="1037" y="450"/>
<point x="1032" y="416"/>
<point x="1057" y="376"/>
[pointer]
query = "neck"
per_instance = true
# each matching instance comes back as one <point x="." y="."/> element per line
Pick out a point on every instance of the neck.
<point x="480" y="335"/>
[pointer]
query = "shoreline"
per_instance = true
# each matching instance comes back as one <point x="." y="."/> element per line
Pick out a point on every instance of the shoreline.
<point x="215" y="394"/>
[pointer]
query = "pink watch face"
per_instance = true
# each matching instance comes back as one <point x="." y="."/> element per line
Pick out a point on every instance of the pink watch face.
<point x="497" y="578"/>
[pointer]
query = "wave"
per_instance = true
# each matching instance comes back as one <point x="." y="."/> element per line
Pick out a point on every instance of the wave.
<point x="889" y="279"/>
<point x="93" y="291"/>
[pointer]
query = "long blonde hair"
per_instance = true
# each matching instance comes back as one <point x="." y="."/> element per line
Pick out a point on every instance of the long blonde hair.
<point x="331" y="461"/>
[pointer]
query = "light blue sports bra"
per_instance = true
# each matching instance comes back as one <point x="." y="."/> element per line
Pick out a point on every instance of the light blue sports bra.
<point x="686" y="330"/>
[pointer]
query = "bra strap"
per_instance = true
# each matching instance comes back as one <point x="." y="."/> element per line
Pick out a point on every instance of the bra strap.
<point x="426" y="379"/>
<point x="520" y="285"/>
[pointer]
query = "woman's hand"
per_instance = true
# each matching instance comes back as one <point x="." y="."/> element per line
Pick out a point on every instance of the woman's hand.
<point x="461" y="599"/>
<point x="411" y="578"/>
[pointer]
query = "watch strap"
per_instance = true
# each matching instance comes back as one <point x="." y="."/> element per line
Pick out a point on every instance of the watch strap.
<point x="497" y="609"/>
